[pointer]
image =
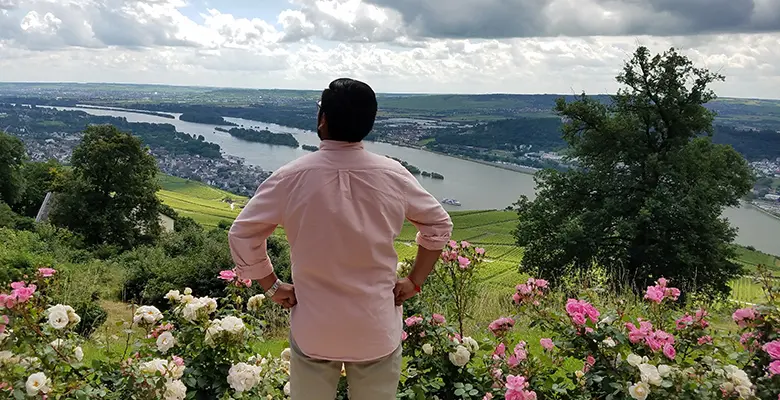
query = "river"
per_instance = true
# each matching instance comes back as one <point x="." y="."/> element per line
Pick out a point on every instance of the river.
<point x="476" y="186"/>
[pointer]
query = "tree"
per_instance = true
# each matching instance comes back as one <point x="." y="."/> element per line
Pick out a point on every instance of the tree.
<point x="12" y="157"/>
<point x="110" y="198"/>
<point x="647" y="197"/>
<point x="38" y="178"/>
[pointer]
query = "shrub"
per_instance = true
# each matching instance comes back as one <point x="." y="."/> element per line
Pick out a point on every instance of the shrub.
<point x="191" y="258"/>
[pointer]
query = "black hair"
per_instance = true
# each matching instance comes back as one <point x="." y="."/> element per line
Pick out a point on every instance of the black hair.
<point x="350" y="107"/>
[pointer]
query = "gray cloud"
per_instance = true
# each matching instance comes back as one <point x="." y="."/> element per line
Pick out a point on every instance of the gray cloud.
<point x="541" y="18"/>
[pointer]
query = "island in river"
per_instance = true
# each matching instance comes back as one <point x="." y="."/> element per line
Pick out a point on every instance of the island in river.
<point x="202" y="117"/>
<point x="416" y="171"/>
<point x="263" y="136"/>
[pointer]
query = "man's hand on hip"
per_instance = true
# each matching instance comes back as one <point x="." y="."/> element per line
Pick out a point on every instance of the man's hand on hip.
<point x="404" y="290"/>
<point x="285" y="296"/>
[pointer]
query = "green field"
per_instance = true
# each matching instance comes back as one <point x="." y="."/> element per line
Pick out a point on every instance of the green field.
<point x="489" y="229"/>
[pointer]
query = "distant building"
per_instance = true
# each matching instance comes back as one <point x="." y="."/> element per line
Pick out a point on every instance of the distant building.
<point x="773" y="197"/>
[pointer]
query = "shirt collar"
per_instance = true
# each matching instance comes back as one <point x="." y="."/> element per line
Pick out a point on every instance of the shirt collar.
<point x="340" y="146"/>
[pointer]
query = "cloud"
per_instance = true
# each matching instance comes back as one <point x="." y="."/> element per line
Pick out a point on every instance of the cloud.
<point x="543" y="18"/>
<point x="520" y="46"/>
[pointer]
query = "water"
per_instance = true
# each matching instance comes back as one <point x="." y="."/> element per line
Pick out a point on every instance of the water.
<point x="476" y="186"/>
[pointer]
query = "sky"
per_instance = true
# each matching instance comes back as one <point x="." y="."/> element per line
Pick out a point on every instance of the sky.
<point x="396" y="46"/>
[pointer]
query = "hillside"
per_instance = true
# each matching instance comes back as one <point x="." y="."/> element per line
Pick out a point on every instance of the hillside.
<point x="488" y="228"/>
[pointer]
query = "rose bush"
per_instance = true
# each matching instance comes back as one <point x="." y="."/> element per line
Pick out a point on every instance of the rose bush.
<point x="201" y="348"/>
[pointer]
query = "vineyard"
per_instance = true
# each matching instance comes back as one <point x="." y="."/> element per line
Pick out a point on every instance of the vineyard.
<point x="491" y="230"/>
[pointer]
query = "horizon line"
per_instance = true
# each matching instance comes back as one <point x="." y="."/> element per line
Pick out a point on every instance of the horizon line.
<point x="318" y="90"/>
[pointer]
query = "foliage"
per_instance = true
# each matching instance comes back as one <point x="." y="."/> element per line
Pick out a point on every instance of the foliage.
<point x="264" y="136"/>
<point x="189" y="258"/>
<point x="37" y="178"/>
<point x="211" y="118"/>
<point x="198" y="350"/>
<point x="455" y="277"/>
<point x="12" y="157"/>
<point x="111" y="196"/>
<point x="648" y="196"/>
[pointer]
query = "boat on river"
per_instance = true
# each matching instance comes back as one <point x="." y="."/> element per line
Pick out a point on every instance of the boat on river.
<point x="451" y="202"/>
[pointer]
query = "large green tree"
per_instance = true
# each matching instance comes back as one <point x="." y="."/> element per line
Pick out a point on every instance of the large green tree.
<point x="12" y="157"/>
<point x="646" y="198"/>
<point x="110" y="197"/>
<point x="38" y="179"/>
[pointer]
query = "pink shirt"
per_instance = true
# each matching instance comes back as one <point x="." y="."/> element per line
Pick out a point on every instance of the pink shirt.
<point x="341" y="208"/>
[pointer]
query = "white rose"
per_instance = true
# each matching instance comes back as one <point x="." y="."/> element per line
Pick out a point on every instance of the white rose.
<point x="57" y="343"/>
<point x="175" y="390"/>
<point x="209" y="304"/>
<point x="165" y="342"/>
<point x="58" y="319"/>
<point x="664" y="370"/>
<point x="213" y="331"/>
<point x="460" y="357"/>
<point x="287" y="388"/>
<point x="255" y="302"/>
<point x="173" y="295"/>
<point x="286" y="354"/>
<point x="78" y="353"/>
<point x="609" y="342"/>
<point x="73" y="317"/>
<point x="744" y="392"/>
<point x="30" y="362"/>
<point x="579" y="374"/>
<point x="187" y="299"/>
<point x="634" y="360"/>
<point x="147" y="315"/>
<point x="471" y="344"/>
<point x="232" y="324"/>
<point x="190" y="311"/>
<point x="187" y="291"/>
<point x="6" y="357"/>
<point x="649" y="373"/>
<point x="727" y="387"/>
<point x="38" y="383"/>
<point x="153" y="366"/>
<point x="243" y="377"/>
<point x="427" y="349"/>
<point x="639" y="391"/>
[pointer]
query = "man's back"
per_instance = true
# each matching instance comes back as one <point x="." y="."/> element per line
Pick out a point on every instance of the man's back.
<point x="341" y="208"/>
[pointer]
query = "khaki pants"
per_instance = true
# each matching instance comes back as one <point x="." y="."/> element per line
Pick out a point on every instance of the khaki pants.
<point x="312" y="379"/>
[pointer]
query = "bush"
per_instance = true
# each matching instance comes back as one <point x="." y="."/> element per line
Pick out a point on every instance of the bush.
<point x="191" y="258"/>
<point x="92" y="316"/>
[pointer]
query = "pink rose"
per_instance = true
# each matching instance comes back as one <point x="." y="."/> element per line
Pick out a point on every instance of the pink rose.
<point x="774" y="369"/>
<point x="7" y="301"/>
<point x="547" y="344"/>
<point x="47" y="272"/>
<point x="684" y="321"/>
<point x="743" y="316"/>
<point x="487" y="396"/>
<point x="465" y="244"/>
<point x="574" y="307"/>
<point x="480" y="251"/>
<point x="661" y="282"/>
<point x="663" y="337"/>
<point x="672" y="293"/>
<point x="513" y="361"/>
<point x="705" y="340"/>
<point x="453" y="244"/>
<point x="655" y="294"/>
<point x="669" y="351"/>
<point x="541" y="283"/>
<point x="578" y="319"/>
<point x="3" y="323"/>
<point x="21" y="293"/>
<point x="227" y="275"/>
<point x="516" y="383"/>
<point x="524" y="289"/>
<point x="773" y="349"/>
<point x="516" y="298"/>
<point x="413" y="320"/>
<point x="590" y="360"/>
<point x="178" y="360"/>
<point x="500" y="351"/>
<point x="404" y="336"/>
<point x="439" y="319"/>
<point x="501" y="326"/>
<point x="464" y="262"/>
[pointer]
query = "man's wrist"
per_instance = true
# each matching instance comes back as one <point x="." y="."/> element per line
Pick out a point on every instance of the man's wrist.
<point x="272" y="290"/>
<point x="417" y="286"/>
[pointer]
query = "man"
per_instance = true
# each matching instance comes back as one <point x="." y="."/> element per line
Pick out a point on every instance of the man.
<point x="341" y="208"/>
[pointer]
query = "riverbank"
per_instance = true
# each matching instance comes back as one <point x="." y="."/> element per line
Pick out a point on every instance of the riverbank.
<point x="515" y="168"/>
<point x="765" y="211"/>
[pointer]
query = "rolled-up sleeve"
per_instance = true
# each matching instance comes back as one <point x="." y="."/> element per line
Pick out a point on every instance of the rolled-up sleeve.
<point x="251" y="229"/>
<point x="432" y="221"/>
